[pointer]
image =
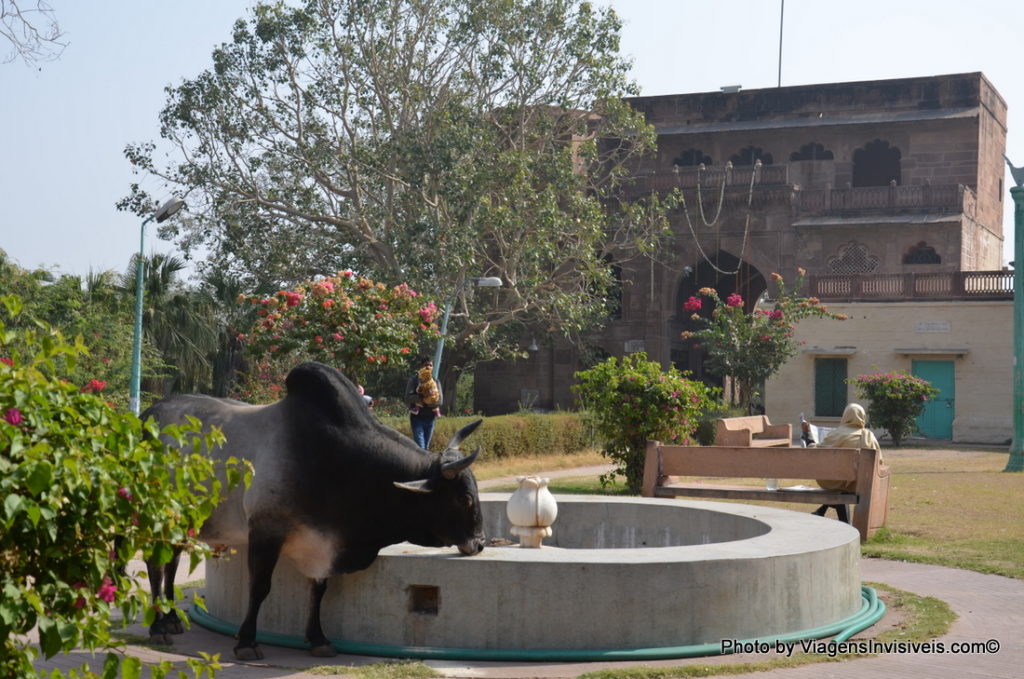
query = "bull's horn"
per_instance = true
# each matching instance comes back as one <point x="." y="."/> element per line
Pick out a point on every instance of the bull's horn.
<point x="450" y="470"/>
<point x="418" y="486"/>
<point x="461" y="434"/>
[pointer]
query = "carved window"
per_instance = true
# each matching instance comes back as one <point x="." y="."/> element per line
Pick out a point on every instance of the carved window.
<point x="691" y="158"/>
<point x="922" y="253"/>
<point x="852" y="258"/>
<point x="876" y="164"/>
<point x="812" y="151"/>
<point x="748" y="155"/>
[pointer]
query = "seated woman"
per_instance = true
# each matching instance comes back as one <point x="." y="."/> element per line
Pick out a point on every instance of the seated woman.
<point x="852" y="432"/>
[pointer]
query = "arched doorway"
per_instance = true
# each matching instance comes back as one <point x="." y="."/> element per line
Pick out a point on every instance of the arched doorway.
<point x="746" y="280"/>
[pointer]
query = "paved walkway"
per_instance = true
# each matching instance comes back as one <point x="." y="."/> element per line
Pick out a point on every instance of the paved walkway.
<point x="988" y="607"/>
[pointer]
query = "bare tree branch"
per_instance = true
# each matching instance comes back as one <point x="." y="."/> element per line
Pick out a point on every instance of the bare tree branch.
<point x="33" y="32"/>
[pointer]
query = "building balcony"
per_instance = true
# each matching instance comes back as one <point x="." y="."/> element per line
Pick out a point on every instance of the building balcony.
<point x="772" y="185"/>
<point x="921" y="287"/>
<point x="888" y="200"/>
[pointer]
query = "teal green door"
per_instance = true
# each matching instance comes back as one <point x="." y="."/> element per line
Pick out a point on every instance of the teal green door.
<point x="936" y="422"/>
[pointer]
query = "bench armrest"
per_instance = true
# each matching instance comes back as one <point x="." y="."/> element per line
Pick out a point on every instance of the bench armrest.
<point x="778" y="431"/>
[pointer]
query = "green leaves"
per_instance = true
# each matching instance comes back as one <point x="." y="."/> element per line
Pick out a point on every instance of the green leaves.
<point x="895" y="400"/>
<point x="76" y="475"/>
<point x="632" y="400"/>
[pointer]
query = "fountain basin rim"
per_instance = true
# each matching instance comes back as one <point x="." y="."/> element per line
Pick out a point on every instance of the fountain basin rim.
<point x="789" y="533"/>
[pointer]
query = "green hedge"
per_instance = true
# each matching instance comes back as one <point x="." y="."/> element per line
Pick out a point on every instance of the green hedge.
<point x="507" y="436"/>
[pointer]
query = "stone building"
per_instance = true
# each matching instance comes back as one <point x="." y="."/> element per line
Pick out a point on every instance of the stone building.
<point x="867" y="178"/>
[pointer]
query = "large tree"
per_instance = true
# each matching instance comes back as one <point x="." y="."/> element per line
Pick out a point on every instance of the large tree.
<point x="418" y="141"/>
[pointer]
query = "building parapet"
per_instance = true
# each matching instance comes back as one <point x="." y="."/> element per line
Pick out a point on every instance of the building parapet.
<point x="901" y="287"/>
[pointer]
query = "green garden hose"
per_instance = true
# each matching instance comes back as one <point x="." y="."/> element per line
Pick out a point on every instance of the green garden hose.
<point x="871" y="611"/>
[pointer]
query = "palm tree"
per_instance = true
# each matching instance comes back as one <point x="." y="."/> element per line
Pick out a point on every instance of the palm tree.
<point x="179" y="322"/>
<point x="223" y="290"/>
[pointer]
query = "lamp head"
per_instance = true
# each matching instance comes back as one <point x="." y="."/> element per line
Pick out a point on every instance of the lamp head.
<point x="488" y="282"/>
<point x="168" y="209"/>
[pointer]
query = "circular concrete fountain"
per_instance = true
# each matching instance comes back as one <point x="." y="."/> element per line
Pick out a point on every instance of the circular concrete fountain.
<point x="618" y="574"/>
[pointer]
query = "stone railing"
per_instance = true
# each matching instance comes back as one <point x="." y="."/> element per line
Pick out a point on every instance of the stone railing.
<point x="773" y="182"/>
<point x="710" y="178"/>
<point x="884" y="199"/>
<point x="947" y="285"/>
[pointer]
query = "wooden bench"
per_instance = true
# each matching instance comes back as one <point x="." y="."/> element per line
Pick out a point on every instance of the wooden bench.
<point x="870" y="495"/>
<point x="754" y="431"/>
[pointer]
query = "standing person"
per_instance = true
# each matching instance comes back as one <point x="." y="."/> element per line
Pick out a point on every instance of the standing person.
<point x="852" y="432"/>
<point x="423" y="394"/>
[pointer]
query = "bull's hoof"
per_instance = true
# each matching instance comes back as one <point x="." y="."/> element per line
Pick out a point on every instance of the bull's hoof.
<point x="248" y="653"/>
<point x="160" y="639"/>
<point x="173" y="625"/>
<point x="323" y="651"/>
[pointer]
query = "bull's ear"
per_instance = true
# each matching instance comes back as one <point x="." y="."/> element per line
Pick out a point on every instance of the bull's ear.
<point x="419" y="486"/>
<point x="450" y="470"/>
<point x="461" y="434"/>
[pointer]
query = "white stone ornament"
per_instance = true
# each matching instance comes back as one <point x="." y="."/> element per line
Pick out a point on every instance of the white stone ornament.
<point x="531" y="510"/>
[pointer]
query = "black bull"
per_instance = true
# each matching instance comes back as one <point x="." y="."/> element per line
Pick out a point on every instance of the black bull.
<point x="331" y="487"/>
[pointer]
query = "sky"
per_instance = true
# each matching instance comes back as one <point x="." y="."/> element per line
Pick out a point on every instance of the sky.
<point x="65" y="123"/>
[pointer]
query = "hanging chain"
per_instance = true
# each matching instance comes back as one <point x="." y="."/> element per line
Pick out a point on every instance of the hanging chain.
<point x="718" y="213"/>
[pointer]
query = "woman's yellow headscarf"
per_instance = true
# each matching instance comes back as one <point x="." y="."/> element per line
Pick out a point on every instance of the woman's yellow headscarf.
<point x="852" y="432"/>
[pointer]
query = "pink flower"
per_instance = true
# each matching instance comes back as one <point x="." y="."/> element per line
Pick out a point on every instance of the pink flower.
<point x="692" y="304"/>
<point x="428" y="312"/>
<point x="8" y="361"/>
<point x="775" y="315"/>
<point x="107" y="590"/>
<point x="13" y="416"/>
<point x="124" y="494"/>
<point x="734" y="300"/>
<point x="94" y="386"/>
<point x="338" y="336"/>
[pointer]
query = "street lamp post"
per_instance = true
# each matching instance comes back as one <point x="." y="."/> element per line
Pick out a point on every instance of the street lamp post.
<point x="485" y="282"/>
<point x="165" y="211"/>
<point x="1016" y="461"/>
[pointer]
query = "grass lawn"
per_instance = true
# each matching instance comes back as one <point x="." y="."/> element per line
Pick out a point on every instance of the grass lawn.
<point x="953" y="508"/>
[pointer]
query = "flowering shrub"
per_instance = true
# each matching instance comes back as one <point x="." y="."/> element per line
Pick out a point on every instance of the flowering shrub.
<point x="631" y="401"/>
<point x="346" y="321"/>
<point x="83" y="490"/>
<point x="896" y="400"/>
<point x="750" y="348"/>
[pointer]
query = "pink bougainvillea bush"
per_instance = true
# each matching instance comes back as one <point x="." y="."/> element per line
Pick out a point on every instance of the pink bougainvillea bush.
<point x="751" y="347"/>
<point x="349" y="322"/>
<point x="84" y="488"/>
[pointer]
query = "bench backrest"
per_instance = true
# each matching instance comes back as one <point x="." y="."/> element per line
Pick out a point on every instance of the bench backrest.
<point x="755" y="423"/>
<point x="840" y="464"/>
<point x="741" y="431"/>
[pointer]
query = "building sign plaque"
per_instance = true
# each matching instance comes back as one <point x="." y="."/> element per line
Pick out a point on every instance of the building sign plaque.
<point x="933" y="326"/>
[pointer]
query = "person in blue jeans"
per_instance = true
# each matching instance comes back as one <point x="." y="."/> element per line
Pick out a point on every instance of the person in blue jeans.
<point x="423" y="394"/>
